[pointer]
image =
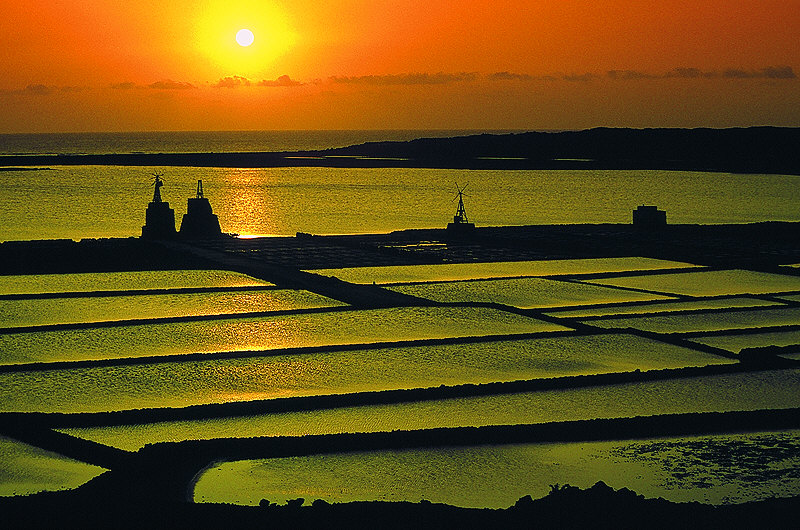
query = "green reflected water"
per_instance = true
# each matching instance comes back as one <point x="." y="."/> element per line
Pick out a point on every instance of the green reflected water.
<point x="694" y="305"/>
<point x="709" y="283"/>
<point x="475" y="271"/>
<point x="523" y="292"/>
<point x="265" y="333"/>
<point x="712" y="469"/>
<point x="752" y="391"/>
<point x="178" y="384"/>
<point x="120" y="281"/>
<point x="735" y="343"/>
<point x="26" y="470"/>
<point x="36" y="312"/>
<point x="706" y="321"/>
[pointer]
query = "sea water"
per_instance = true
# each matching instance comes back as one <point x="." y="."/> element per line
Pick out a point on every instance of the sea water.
<point x="78" y="202"/>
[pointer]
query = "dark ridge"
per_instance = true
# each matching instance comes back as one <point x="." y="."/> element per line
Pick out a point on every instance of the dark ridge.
<point x="758" y="246"/>
<point x="55" y="256"/>
<point x="565" y="507"/>
<point x="739" y="150"/>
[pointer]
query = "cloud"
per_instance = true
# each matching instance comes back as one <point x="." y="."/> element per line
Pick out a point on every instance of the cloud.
<point x="169" y="84"/>
<point x="283" y="80"/>
<point x="509" y="76"/>
<point x="407" y="79"/>
<point x="74" y="88"/>
<point x="779" y="72"/>
<point x="231" y="81"/>
<point x="166" y="84"/>
<point x="688" y="73"/>
<point x="128" y="85"/>
<point x="628" y="74"/>
<point x="580" y="77"/>
<point x="37" y="90"/>
<point x="770" y="72"/>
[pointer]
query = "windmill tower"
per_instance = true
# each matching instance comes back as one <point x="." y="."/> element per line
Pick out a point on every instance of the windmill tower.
<point x="460" y="224"/>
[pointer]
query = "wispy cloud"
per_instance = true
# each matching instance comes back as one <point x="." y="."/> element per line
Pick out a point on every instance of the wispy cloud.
<point x="629" y="74"/>
<point x="169" y="84"/>
<point x="407" y="79"/>
<point x="283" y="80"/>
<point x="770" y="72"/>
<point x="231" y="81"/>
<point x="165" y="84"/>
<point x="509" y="76"/>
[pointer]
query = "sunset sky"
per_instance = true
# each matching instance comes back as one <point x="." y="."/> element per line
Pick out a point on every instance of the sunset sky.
<point x="137" y="65"/>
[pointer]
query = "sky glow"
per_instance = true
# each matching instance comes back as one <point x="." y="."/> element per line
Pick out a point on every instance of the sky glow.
<point x="359" y="64"/>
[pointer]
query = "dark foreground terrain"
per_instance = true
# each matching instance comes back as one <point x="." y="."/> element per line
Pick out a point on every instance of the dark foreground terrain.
<point x="564" y="507"/>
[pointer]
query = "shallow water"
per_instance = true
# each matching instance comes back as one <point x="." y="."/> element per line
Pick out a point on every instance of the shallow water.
<point x="219" y="381"/>
<point x="477" y="271"/>
<point x="265" y="333"/>
<point x="524" y="293"/>
<point x="753" y="391"/>
<point x="710" y="283"/>
<point x="706" y="321"/>
<point x="121" y="281"/>
<point x="36" y="312"/>
<point x="109" y="201"/>
<point x="26" y="470"/>
<point x="735" y="343"/>
<point x="664" y="307"/>
<point x="678" y="469"/>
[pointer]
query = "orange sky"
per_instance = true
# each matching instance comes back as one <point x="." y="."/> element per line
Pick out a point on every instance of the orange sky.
<point x="92" y="65"/>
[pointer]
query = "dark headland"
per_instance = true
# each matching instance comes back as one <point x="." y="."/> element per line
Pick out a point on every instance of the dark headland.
<point x="738" y="150"/>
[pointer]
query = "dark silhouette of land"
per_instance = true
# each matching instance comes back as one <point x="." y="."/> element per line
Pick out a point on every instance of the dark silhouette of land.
<point x="564" y="507"/>
<point x="761" y="246"/>
<point x="739" y="150"/>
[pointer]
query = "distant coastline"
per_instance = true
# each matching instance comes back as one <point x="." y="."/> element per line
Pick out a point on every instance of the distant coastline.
<point x="763" y="150"/>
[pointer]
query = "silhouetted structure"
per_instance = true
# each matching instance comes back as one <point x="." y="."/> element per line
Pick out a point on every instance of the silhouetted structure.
<point x="460" y="224"/>
<point x="199" y="222"/>
<point x="159" y="218"/>
<point x="649" y="217"/>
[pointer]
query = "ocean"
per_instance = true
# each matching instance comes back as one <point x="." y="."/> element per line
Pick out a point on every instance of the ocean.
<point x="76" y="202"/>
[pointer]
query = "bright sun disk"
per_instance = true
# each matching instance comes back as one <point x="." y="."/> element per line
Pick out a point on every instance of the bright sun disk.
<point x="245" y="37"/>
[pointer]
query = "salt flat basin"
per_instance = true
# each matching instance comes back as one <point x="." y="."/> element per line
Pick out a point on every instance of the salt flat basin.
<point x="736" y="343"/>
<point x="122" y="281"/>
<point x="719" y="393"/>
<point x="36" y="312"/>
<point x="722" y="320"/>
<point x="474" y="271"/>
<point x="730" y="468"/>
<point x="27" y="470"/>
<point x="709" y="283"/>
<point x="265" y="333"/>
<point x="658" y="307"/>
<point x="524" y="293"/>
<point x="179" y="384"/>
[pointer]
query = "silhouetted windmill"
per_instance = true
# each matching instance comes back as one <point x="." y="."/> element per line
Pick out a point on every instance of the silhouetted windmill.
<point x="460" y="225"/>
<point x="461" y="212"/>
<point x="157" y="183"/>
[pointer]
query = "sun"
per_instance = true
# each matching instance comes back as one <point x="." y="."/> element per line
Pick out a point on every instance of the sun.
<point x="245" y="37"/>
